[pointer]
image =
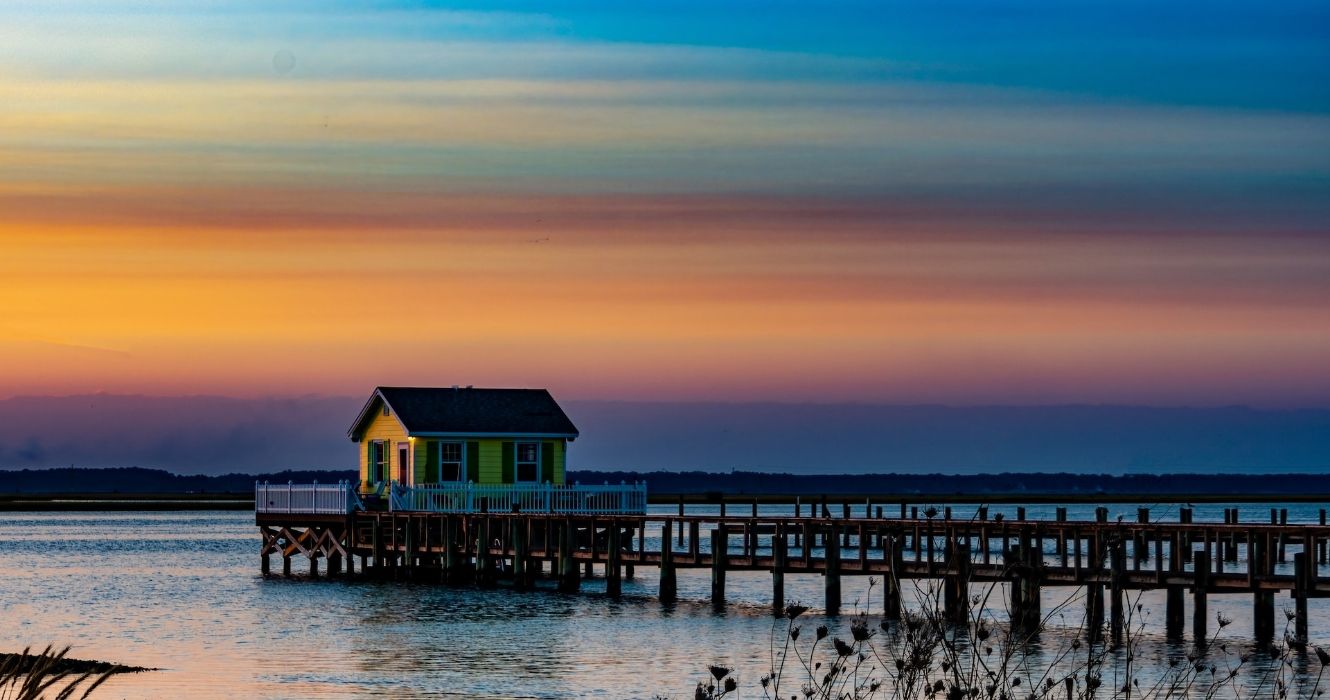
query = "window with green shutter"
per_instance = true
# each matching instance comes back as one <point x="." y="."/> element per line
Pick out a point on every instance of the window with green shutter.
<point x="450" y="461"/>
<point x="527" y="467"/>
<point x="378" y="460"/>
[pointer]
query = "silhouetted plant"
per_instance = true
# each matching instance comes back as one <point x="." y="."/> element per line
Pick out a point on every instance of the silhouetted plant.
<point x="29" y="676"/>
<point x="926" y="656"/>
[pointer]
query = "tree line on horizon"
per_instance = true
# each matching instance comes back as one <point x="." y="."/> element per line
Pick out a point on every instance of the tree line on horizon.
<point x="143" y="480"/>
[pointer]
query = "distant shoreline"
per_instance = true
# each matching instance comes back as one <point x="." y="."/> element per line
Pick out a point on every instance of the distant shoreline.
<point x="130" y="489"/>
<point x="42" y="503"/>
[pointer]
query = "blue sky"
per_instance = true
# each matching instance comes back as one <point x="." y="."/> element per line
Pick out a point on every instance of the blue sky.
<point x="886" y="202"/>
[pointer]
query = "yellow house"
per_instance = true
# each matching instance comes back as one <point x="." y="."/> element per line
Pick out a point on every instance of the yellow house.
<point x="424" y="435"/>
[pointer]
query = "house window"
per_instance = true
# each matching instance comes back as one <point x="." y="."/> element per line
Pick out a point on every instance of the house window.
<point x="450" y="461"/>
<point x="528" y="461"/>
<point x="378" y="460"/>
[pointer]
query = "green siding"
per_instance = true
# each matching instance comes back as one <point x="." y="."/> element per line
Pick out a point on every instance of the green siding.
<point x="491" y="462"/>
<point x="472" y="461"/>
<point x="560" y="474"/>
<point x="546" y="462"/>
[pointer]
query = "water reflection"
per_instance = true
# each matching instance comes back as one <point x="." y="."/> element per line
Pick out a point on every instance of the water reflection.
<point x="181" y="592"/>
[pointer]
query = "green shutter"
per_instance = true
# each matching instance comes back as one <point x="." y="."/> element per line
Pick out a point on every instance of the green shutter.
<point x="372" y="462"/>
<point x="546" y="462"/>
<point x="431" y="461"/>
<point x="473" y="461"/>
<point x="509" y="463"/>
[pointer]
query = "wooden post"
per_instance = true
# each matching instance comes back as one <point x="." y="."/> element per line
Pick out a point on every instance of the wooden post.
<point x="484" y="563"/>
<point x="630" y="571"/>
<point x="264" y="563"/>
<point x="1184" y="515"/>
<point x="450" y="562"/>
<point x="694" y="540"/>
<point x="681" y="520"/>
<point x="1282" y="538"/>
<point x="1174" y="617"/>
<point x="569" y="575"/>
<point x="1030" y="566"/>
<point x="949" y="595"/>
<point x="313" y="565"/>
<point x="1233" y="536"/>
<point x="1322" y="544"/>
<point x="1263" y="602"/>
<point x="520" y="579"/>
<point x="376" y="544"/>
<point x="613" y="575"/>
<point x="958" y="584"/>
<point x="286" y="565"/>
<point x="1117" y="576"/>
<point x="1094" y="590"/>
<point x="719" y="559"/>
<point x="832" y="566"/>
<point x="929" y="536"/>
<point x="408" y="547"/>
<point x="891" y="582"/>
<point x="1200" y="587"/>
<point x="778" y="557"/>
<point x="334" y="564"/>
<point x="669" y="585"/>
<point x="809" y="539"/>
<point x="1301" y="590"/>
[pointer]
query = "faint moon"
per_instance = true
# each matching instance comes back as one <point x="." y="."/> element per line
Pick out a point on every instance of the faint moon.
<point x="283" y="61"/>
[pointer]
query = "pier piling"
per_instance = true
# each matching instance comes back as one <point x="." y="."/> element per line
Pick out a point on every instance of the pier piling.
<point x="1102" y="557"/>
<point x="719" y="559"/>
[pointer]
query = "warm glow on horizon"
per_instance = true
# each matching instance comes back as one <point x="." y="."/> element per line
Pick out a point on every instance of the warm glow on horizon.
<point x="535" y="198"/>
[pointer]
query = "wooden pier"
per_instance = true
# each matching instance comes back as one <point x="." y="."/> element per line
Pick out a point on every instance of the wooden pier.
<point x="1105" y="558"/>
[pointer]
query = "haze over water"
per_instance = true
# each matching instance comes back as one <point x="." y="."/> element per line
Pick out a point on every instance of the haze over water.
<point x="182" y="592"/>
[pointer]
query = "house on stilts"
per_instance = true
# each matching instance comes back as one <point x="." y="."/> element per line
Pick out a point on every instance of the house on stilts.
<point x="460" y="449"/>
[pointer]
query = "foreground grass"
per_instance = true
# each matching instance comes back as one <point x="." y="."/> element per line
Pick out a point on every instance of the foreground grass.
<point x="51" y="674"/>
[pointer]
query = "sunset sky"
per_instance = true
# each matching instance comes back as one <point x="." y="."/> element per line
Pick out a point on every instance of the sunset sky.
<point x="957" y="202"/>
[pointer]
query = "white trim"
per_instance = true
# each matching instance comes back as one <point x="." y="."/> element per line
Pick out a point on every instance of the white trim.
<point x="517" y="463"/>
<point x="461" y="465"/>
<point x="384" y="446"/>
<point x="364" y="411"/>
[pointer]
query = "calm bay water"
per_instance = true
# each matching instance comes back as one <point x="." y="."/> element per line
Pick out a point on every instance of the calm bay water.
<point x="181" y="591"/>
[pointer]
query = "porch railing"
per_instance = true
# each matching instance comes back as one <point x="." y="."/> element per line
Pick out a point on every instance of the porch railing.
<point x="572" y="499"/>
<point x="333" y="499"/>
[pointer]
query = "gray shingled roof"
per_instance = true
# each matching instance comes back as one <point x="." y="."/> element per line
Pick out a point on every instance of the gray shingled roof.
<point x="475" y="411"/>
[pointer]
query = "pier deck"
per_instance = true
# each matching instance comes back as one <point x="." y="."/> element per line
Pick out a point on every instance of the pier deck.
<point x="1106" y="558"/>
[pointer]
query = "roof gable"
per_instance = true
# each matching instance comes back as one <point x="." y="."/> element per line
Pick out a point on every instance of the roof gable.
<point x="458" y="411"/>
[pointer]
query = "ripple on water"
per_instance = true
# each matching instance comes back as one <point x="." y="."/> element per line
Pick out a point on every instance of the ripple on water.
<point x="181" y="592"/>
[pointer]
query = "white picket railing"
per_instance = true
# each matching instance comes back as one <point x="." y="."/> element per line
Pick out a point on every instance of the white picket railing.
<point x="339" y="498"/>
<point x="571" y="499"/>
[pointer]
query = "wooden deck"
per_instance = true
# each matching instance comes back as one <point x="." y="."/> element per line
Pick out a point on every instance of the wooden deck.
<point x="1106" y="558"/>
